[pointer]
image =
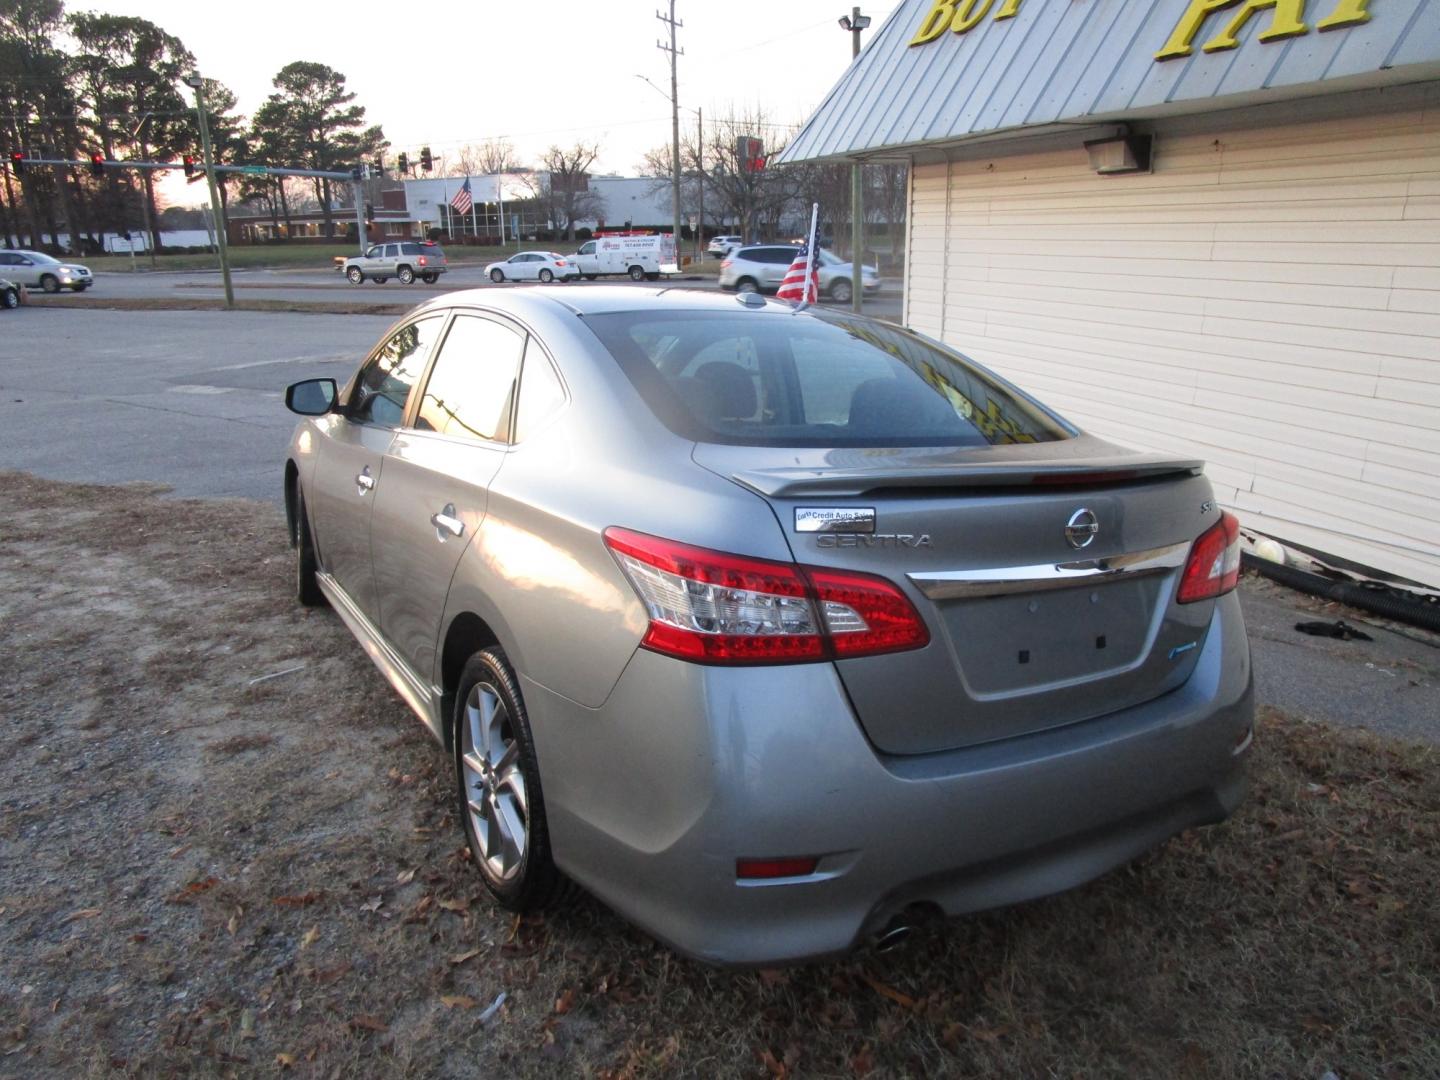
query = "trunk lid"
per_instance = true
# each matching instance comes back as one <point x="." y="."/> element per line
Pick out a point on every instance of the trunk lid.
<point x="1028" y="631"/>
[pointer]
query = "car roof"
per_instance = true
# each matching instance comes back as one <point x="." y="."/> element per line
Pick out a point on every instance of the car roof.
<point x="604" y="300"/>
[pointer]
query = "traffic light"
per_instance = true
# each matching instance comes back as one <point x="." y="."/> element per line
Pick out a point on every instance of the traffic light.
<point x="402" y="165"/>
<point x="97" y="164"/>
<point x="426" y="161"/>
<point x="17" y="163"/>
<point x="378" y="170"/>
<point x="369" y="211"/>
<point x="188" y="164"/>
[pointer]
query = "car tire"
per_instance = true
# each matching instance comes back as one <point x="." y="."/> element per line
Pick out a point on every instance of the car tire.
<point x="50" y="283"/>
<point x="746" y="284"/>
<point x="841" y="291"/>
<point x="497" y="784"/>
<point x="307" y="588"/>
<point x="429" y="279"/>
<point x="652" y="275"/>
<point x="78" y="288"/>
<point x="355" y="274"/>
<point x="11" y="298"/>
<point x="546" y="276"/>
<point x="637" y="273"/>
<point x="497" y="276"/>
<point x="406" y="275"/>
<point x="591" y="277"/>
<point x="379" y="280"/>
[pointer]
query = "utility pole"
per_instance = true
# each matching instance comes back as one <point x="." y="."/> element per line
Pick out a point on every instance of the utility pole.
<point x="674" y="119"/>
<point x="855" y="22"/>
<point x="192" y="79"/>
<point x="700" y="179"/>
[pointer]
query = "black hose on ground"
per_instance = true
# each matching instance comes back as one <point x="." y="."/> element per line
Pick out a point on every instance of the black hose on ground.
<point x="1376" y="599"/>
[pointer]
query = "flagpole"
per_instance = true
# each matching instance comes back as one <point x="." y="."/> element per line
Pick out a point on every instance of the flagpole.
<point x="473" y="228"/>
<point x="449" y="212"/>
<point x="812" y="271"/>
<point x="500" y="194"/>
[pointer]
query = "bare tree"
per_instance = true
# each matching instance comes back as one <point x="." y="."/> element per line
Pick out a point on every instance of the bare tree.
<point x="561" y="186"/>
<point x="484" y="159"/>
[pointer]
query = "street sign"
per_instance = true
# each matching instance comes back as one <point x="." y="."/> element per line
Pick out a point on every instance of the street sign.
<point x="258" y="170"/>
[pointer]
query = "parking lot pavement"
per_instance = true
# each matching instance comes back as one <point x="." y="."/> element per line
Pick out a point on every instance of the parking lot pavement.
<point x="192" y="399"/>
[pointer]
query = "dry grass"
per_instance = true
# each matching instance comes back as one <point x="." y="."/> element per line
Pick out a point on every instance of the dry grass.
<point x="204" y="874"/>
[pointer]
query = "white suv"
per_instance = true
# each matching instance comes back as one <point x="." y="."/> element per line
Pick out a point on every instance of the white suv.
<point x="762" y="267"/>
<point x="720" y="245"/>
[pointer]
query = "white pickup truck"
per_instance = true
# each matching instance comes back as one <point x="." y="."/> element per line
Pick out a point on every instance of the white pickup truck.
<point x="643" y="258"/>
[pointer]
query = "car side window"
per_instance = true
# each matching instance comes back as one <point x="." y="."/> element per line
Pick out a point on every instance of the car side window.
<point x="472" y="383"/>
<point x="8" y="260"/>
<point x="392" y="251"/>
<point x="384" y="384"/>
<point x="587" y="249"/>
<point x="410" y="249"/>
<point x="541" y="395"/>
<point x="375" y="252"/>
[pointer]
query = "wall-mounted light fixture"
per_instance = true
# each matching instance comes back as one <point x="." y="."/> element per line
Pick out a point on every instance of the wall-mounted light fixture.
<point x="1123" y="153"/>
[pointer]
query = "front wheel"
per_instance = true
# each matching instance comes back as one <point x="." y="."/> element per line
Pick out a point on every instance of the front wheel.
<point x="841" y="291"/>
<point x="498" y="786"/>
<point x="355" y="276"/>
<point x="497" y="276"/>
<point x="430" y="279"/>
<point x="745" y="285"/>
<point x="50" y="283"/>
<point x="78" y="288"/>
<point x="307" y="589"/>
<point x="546" y="277"/>
<point x="637" y="273"/>
<point x="406" y="276"/>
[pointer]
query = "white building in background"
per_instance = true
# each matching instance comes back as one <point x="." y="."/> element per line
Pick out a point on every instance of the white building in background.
<point x="1200" y="227"/>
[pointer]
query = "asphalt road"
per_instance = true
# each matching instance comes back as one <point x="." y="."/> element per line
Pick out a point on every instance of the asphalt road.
<point x="325" y="285"/>
<point x="194" y="400"/>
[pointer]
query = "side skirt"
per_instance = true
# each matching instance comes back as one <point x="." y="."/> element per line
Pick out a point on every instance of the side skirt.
<point x="423" y="699"/>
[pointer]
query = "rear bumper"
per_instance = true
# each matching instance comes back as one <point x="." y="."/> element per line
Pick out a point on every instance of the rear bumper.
<point x="653" y="797"/>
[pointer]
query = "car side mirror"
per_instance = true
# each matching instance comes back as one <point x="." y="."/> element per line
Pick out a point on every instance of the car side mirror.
<point x="313" y="397"/>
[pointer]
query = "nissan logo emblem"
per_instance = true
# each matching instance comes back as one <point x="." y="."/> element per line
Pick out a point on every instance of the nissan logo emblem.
<point x="1080" y="530"/>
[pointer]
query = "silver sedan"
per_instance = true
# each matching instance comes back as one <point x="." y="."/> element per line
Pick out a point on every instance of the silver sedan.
<point x="774" y="628"/>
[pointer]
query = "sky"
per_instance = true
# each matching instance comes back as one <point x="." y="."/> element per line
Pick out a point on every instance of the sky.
<point x="538" y="73"/>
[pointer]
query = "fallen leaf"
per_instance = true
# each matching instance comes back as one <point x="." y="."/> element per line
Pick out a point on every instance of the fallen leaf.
<point x="139" y="939"/>
<point x="188" y="894"/>
<point x="777" y="1069"/>
<point x="368" y="1023"/>
<point x="565" y="1002"/>
<point x="905" y="1001"/>
<point x="405" y="877"/>
<point x="459" y="906"/>
<point x="310" y="937"/>
<point x="460" y="958"/>
<point x="373" y="904"/>
<point x="233" y="923"/>
<point x="247" y="1023"/>
<point x="285" y="1061"/>
<point x="83" y="913"/>
<point x="300" y="900"/>
<point x="458" y="1001"/>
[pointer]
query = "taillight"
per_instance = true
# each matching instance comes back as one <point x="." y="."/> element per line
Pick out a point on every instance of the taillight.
<point x="717" y="608"/>
<point x="421" y="260"/>
<point x="725" y="264"/>
<point x="1213" y="567"/>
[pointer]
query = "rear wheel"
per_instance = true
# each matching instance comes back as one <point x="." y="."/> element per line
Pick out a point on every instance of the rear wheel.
<point x="355" y="276"/>
<point x="591" y="277"/>
<point x="307" y="589"/>
<point x="50" y="283"/>
<point x="498" y="785"/>
<point x="10" y="298"/>
<point x="406" y="275"/>
<point x="637" y="273"/>
<point x="546" y="276"/>
<point x="841" y="291"/>
<point x="746" y="284"/>
<point x="430" y="278"/>
<point x="497" y="276"/>
<point x="379" y="280"/>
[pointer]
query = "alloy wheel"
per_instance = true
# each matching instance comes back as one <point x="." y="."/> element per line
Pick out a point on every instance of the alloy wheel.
<point x="494" y="784"/>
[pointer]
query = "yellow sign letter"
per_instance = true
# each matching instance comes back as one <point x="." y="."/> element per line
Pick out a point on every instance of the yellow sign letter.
<point x="936" y="20"/>
<point x="1346" y="13"/>
<point x="1009" y="11"/>
<point x="1287" y="22"/>
<point x="1189" y="25"/>
<point x="968" y="13"/>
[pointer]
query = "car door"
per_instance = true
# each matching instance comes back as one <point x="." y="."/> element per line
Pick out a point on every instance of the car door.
<point x="586" y="259"/>
<point x="373" y="259"/>
<point x="437" y="475"/>
<point x="777" y="262"/>
<point x="350" y="457"/>
<point x="527" y="267"/>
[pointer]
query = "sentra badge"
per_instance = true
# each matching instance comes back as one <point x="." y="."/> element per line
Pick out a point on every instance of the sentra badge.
<point x="835" y="519"/>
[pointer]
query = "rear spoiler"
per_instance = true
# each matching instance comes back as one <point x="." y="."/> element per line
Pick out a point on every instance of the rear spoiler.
<point x="792" y="483"/>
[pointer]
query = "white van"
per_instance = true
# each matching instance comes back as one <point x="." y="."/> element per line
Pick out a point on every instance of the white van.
<point x="642" y="257"/>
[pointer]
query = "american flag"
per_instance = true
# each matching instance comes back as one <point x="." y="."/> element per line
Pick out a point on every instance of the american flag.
<point x="802" y="280"/>
<point x="462" y="200"/>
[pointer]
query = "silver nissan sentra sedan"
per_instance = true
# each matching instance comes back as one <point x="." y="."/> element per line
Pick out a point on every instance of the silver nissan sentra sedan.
<point x="775" y="629"/>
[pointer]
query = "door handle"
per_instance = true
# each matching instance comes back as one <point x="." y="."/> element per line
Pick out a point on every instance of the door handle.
<point x="364" y="481"/>
<point x="446" y="521"/>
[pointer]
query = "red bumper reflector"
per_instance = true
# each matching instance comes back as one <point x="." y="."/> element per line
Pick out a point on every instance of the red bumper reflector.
<point x="775" y="868"/>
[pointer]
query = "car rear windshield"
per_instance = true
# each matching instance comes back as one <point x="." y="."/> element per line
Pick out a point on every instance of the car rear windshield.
<point x="818" y="379"/>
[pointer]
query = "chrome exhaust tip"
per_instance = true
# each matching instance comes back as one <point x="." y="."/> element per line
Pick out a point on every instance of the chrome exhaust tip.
<point x="893" y="936"/>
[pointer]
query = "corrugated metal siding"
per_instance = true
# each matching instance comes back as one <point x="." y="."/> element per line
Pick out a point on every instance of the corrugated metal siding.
<point x="1268" y="300"/>
<point x="1069" y="60"/>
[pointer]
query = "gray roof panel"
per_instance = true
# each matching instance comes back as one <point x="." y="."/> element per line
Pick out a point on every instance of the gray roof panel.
<point x="1072" y="60"/>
